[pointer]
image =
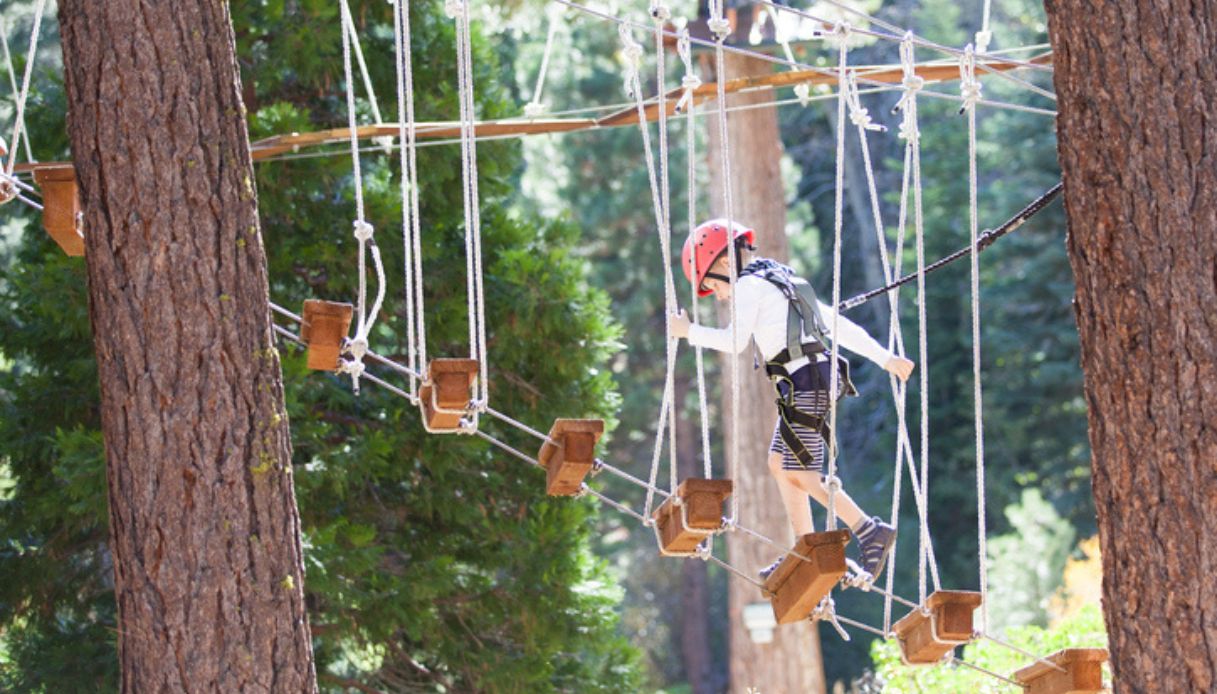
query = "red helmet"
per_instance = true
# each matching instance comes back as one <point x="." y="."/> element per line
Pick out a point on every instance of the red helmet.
<point x="705" y="244"/>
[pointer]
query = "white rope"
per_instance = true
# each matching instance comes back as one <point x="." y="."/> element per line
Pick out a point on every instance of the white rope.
<point x="19" y="117"/>
<point x="984" y="36"/>
<point x="632" y="53"/>
<point x="721" y="28"/>
<point x="971" y="91"/>
<point x="690" y="82"/>
<point x="911" y="134"/>
<point x="12" y="79"/>
<point x="459" y="11"/>
<point x="349" y="26"/>
<point x="357" y="347"/>
<point x="661" y="14"/>
<point x="833" y="482"/>
<point x="416" y="331"/>
<point x="535" y="107"/>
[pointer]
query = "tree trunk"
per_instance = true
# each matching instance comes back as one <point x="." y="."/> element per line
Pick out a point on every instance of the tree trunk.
<point x="791" y="663"/>
<point x="695" y="645"/>
<point x="203" y="522"/>
<point x="1137" y="83"/>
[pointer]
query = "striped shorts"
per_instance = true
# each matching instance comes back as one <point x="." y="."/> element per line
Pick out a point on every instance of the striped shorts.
<point x="814" y="401"/>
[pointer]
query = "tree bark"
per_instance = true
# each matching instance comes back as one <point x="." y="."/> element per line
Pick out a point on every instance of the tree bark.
<point x="695" y="645"/>
<point x="1137" y="83"/>
<point x="203" y="521"/>
<point x="791" y="663"/>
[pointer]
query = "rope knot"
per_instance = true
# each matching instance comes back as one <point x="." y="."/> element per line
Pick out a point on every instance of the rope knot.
<point x="357" y="348"/>
<point x="913" y="82"/>
<point x="8" y="190"/>
<point x="833" y="483"/>
<point x="660" y="12"/>
<point x="363" y="230"/>
<point x="720" y="26"/>
<point x="982" y="41"/>
<point x="969" y="86"/>
<point x="453" y="8"/>
<point x="690" y="82"/>
<point x="534" y="109"/>
<point x="803" y="92"/>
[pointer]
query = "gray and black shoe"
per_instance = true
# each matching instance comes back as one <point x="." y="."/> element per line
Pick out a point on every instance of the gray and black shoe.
<point x="875" y="540"/>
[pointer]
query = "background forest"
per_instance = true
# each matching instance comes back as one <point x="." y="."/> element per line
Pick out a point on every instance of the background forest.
<point x="435" y="562"/>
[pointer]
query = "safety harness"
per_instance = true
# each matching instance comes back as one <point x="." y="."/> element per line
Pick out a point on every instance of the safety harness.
<point x="802" y="321"/>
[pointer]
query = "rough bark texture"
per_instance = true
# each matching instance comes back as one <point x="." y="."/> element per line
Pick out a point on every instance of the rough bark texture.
<point x="1137" y="83"/>
<point x="791" y="663"/>
<point x="203" y="520"/>
<point x="696" y="649"/>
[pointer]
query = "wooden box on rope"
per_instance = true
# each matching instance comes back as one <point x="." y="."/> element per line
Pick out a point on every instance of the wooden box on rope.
<point x="445" y="393"/>
<point x="571" y="456"/>
<point x="61" y="207"/>
<point x="323" y="327"/>
<point x="798" y="584"/>
<point x="1077" y="671"/>
<point x="926" y="636"/>
<point x="692" y="513"/>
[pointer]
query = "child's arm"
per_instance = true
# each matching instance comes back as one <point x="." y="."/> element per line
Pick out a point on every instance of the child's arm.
<point x="746" y="311"/>
<point x="855" y="338"/>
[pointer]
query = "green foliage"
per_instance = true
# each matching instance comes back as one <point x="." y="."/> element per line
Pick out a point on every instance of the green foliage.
<point x="1082" y="630"/>
<point x="1026" y="564"/>
<point x="433" y="563"/>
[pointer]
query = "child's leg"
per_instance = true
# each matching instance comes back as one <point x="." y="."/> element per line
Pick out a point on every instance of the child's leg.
<point x="793" y="498"/>
<point x="812" y="483"/>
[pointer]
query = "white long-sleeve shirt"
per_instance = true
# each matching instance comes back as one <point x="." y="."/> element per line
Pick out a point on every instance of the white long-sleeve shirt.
<point x="761" y="311"/>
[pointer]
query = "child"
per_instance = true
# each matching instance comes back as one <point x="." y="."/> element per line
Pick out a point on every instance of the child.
<point x="779" y="311"/>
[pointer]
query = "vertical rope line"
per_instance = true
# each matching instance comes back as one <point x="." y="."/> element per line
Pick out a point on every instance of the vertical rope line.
<point x="476" y="213"/>
<point x="691" y="81"/>
<point x="838" y="223"/>
<point x="19" y="117"/>
<point x="971" y="92"/>
<point x="416" y="335"/>
<point x="632" y="52"/>
<point x="721" y="28"/>
<point x="12" y="79"/>
<point x="357" y="174"/>
<point x="660" y="13"/>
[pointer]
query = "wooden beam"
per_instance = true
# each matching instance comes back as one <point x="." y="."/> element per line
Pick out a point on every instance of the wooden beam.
<point x="435" y="130"/>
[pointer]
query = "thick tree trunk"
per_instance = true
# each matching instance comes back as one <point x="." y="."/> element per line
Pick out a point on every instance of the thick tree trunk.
<point x="791" y="663"/>
<point x="203" y="521"/>
<point x="1137" y="83"/>
<point x="695" y="646"/>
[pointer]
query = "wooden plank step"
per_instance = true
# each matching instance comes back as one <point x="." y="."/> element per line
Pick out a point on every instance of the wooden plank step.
<point x="682" y="526"/>
<point x="445" y="393"/>
<point x="926" y="638"/>
<point x="798" y="585"/>
<point x="61" y="207"/>
<point x="1083" y="673"/>
<point x="323" y="327"/>
<point x="569" y="462"/>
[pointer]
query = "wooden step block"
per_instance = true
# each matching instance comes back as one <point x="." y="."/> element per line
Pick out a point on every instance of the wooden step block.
<point x="926" y="638"/>
<point x="61" y="207"/>
<point x="797" y="585"/>
<point x="323" y="328"/>
<point x="568" y="462"/>
<point x="1083" y="673"/>
<point x="701" y="508"/>
<point x="447" y="387"/>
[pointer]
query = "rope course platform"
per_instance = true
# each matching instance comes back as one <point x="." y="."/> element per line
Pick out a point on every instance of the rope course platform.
<point x="936" y="71"/>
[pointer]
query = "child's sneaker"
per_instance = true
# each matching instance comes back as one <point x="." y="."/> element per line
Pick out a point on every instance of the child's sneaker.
<point x="875" y="540"/>
<point x="766" y="572"/>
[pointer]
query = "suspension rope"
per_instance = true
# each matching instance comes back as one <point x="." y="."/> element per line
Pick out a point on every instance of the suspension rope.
<point x="984" y="36"/>
<point x="535" y="107"/>
<point x="970" y="87"/>
<point x="12" y="79"/>
<point x="458" y="10"/>
<point x="357" y="347"/>
<point x="348" y="23"/>
<point x="720" y="26"/>
<point x="416" y="328"/>
<point x="690" y="82"/>
<point x="841" y="33"/>
<point x="23" y="95"/>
